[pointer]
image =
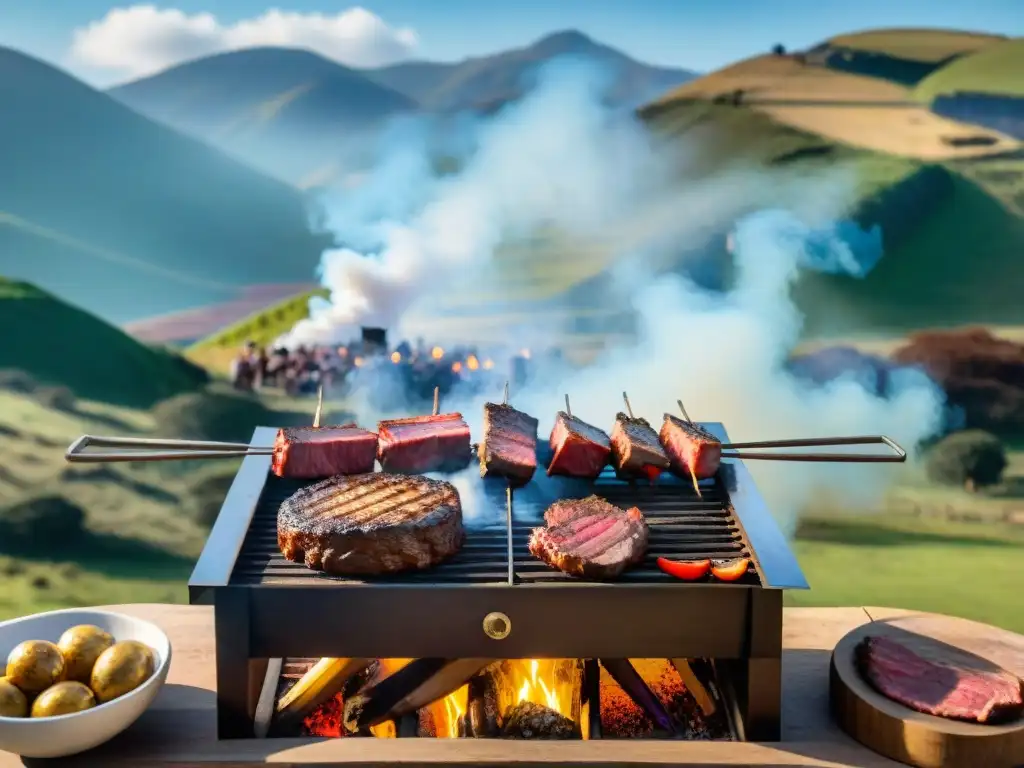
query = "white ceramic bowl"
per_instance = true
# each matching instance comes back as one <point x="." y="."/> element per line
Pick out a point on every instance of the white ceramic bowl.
<point x="70" y="734"/>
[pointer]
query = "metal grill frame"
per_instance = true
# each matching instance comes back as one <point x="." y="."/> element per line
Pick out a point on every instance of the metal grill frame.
<point x="738" y="625"/>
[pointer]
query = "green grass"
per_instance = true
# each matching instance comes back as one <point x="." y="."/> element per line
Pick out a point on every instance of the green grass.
<point x="59" y="344"/>
<point x="262" y="327"/>
<point x="924" y="45"/>
<point x="996" y="69"/>
<point x="967" y="570"/>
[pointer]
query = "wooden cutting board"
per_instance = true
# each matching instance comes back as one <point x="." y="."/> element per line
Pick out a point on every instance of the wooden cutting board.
<point x="923" y="740"/>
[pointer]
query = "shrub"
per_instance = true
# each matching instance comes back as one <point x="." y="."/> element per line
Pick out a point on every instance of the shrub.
<point x="41" y="524"/>
<point x="779" y="49"/>
<point x="17" y="381"/>
<point x="56" y="398"/>
<point x="972" y="457"/>
<point x="207" y="497"/>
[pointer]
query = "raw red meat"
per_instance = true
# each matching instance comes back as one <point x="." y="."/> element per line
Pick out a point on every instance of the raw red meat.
<point x="690" y="447"/>
<point x="580" y="450"/>
<point x="306" y="453"/>
<point x="943" y="690"/>
<point x="424" y="444"/>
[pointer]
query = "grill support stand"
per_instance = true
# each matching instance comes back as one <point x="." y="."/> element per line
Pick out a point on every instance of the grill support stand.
<point x="239" y="677"/>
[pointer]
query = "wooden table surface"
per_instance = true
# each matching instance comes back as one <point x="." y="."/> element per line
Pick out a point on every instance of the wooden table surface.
<point x="179" y="729"/>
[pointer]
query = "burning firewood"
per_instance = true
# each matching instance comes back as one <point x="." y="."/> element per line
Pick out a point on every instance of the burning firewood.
<point x="687" y="670"/>
<point x="324" y="680"/>
<point x="529" y="720"/>
<point x="419" y="683"/>
<point x="633" y="684"/>
<point x="482" y="711"/>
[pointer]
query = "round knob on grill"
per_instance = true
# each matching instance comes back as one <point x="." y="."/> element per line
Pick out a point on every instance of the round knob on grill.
<point x="497" y="626"/>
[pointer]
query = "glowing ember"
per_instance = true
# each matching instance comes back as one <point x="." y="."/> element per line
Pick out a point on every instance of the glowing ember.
<point x="448" y="713"/>
<point x="396" y="357"/>
<point x="437" y="353"/>
<point x="456" y="366"/>
<point x="488" y="364"/>
<point x="472" y="363"/>
<point x="327" y="719"/>
<point x="553" y="683"/>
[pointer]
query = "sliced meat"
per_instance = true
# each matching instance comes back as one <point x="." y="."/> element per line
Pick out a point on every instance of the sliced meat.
<point x="306" y="453"/>
<point x="424" y="444"/>
<point x="690" y="447"/>
<point x="636" y="450"/>
<point x="579" y="449"/>
<point x="509" y="445"/>
<point x="943" y="690"/>
<point x="590" y="538"/>
<point x="371" y="524"/>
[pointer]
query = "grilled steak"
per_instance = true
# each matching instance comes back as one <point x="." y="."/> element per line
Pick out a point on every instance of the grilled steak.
<point x="509" y="445"/>
<point x="635" y="448"/>
<point x="371" y="524"/>
<point x="690" y="447"/>
<point x="590" y="538"/>
<point x="310" y="452"/>
<point x="424" y="444"/>
<point x="943" y="690"/>
<point x="580" y="450"/>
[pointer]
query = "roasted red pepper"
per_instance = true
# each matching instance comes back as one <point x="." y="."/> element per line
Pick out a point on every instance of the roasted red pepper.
<point x="652" y="473"/>
<point x="730" y="570"/>
<point x="687" y="570"/>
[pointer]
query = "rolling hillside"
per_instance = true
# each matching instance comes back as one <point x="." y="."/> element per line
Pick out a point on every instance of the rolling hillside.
<point x="71" y="348"/>
<point x="128" y="218"/>
<point x="997" y="69"/>
<point x="303" y="118"/>
<point x="284" y="111"/>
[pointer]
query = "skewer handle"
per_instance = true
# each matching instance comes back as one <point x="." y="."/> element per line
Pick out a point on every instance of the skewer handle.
<point x="172" y="450"/>
<point x="629" y="408"/>
<point x="568" y="410"/>
<point x="897" y="456"/>
<point x="504" y="400"/>
<point x="437" y="400"/>
<point x="683" y="409"/>
<point x="319" y="406"/>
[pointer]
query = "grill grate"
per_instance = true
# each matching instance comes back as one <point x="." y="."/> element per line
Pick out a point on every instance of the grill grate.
<point x="682" y="526"/>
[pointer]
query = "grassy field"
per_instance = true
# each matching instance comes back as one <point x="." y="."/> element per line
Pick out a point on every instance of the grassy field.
<point x="72" y="348"/>
<point x="925" y="45"/>
<point x="995" y="69"/>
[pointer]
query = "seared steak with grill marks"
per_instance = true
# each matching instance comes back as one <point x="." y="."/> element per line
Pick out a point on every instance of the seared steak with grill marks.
<point x="690" y="447"/>
<point x="943" y="690"/>
<point x="306" y="453"/>
<point x="371" y="524"/>
<point x="590" y="538"/>
<point x="424" y="444"/>
<point x="509" y="445"/>
<point x="580" y="450"/>
<point x="636" y="451"/>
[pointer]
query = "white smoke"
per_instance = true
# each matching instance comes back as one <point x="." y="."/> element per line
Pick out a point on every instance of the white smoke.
<point x="561" y="161"/>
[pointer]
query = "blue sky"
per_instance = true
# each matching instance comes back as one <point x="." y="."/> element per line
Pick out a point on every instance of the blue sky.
<point x="698" y="34"/>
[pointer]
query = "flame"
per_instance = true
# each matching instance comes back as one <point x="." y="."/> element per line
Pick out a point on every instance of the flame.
<point x="396" y="357"/>
<point x="488" y="364"/>
<point x="437" y="353"/>
<point x="472" y="363"/>
<point x="525" y="354"/>
<point x="554" y="683"/>
<point x="456" y="366"/>
<point x="358" y="362"/>
<point x="447" y="713"/>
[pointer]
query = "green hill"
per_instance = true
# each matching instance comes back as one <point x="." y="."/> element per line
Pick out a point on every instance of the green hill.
<point x="62" y="345"/>
<point x="127" y="218"/>
<point x="997" y="69"/>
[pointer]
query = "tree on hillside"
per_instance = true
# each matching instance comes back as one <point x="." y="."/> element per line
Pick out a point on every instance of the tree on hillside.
<point x="972" y="459"/>
<point x="779" y="49"/>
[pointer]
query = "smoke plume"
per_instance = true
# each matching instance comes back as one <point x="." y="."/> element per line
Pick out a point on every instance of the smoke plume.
<point x="561" y="162"/>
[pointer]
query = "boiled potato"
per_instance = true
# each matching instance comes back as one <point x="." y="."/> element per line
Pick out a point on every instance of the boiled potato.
<point x="63" y="699"/>
<point x="121" y="668"/>
<point x="34" y="666"/>
<point x="81" y="646"/>
<point x="13" y="702"/>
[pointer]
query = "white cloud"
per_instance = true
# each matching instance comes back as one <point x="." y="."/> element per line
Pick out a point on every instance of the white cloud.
<point x="142" y="39"/>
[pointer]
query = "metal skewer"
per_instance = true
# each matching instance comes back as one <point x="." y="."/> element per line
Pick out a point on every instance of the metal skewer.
<point x="629" y="408"/>
<point x="504" y="400"/>
<point x="568" y="410"/>
<point x="693" y="474"/>
<point x="508" y="534"/>
<point x="319" y="406"/>
<point x="437" y="400"/>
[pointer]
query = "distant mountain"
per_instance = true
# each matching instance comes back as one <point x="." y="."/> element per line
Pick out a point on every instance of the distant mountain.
<point x="295" y="114"/>
<point x="482" y="83"/>
<point x="127" y="218"/>
<point x="281" y="109"/>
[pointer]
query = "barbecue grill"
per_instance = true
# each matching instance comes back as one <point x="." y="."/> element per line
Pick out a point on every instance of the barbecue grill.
<point x="494" y="600"/>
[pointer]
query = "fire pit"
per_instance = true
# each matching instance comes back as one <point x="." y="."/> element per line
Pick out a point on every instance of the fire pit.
<point x="546" y="655"/>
